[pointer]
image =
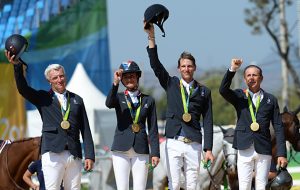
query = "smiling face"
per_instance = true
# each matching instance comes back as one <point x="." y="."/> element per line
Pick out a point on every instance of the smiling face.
<point x="57" y="80"/>
<point x="253" y="78"/>
<point x="186" y="69"/>
<point x="130" y="81"/>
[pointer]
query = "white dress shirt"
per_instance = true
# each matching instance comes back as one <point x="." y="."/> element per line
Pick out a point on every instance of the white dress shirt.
<point x="62" y="99"/>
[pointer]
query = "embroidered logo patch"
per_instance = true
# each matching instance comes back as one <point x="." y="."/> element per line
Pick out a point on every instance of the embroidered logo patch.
<point x="126" y="65"/>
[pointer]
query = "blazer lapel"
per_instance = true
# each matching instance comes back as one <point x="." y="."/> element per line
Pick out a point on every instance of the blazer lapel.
<point x="72" y="100"/>
<point x="54" y="98"/>
<point x="196" y="86"/>
<point x="266" y="99"/>
<point x="123" y="101"/>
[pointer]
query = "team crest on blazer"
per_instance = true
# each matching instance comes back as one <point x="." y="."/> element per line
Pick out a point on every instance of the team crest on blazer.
<point x="75" y="102"/>
<point x="202" y="93"/>
<point x="268" y="101"/>
<point x="146" y="105"/>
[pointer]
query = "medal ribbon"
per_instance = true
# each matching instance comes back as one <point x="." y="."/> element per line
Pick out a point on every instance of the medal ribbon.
<point x="185" y="100"/>
<point x="253" y="116"/>
<point x="66" y="113"/>
<point x="137" y="115"/>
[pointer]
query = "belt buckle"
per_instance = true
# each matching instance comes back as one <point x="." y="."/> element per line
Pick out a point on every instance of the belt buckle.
<point x="186" y="140"/>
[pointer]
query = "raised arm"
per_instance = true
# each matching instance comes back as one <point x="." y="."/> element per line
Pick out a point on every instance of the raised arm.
<point x="151" y="35"/>
<point x="224" y="89"/>
<point x="24" y="89"/>
<point x="159" y="70"/>
<point x="111" y="99"/>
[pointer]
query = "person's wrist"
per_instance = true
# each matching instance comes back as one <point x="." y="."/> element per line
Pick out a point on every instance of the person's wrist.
<point x="116" y="82"/>
<point x="151" y="37"/>
<point x="232" y="69"/>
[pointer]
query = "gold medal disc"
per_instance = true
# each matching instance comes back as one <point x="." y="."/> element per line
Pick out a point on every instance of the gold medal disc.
<point x="254" y="126"/>
<point x="135" y="127"/>
<point x="186" y="117"/>
<point x="65" y="124"/>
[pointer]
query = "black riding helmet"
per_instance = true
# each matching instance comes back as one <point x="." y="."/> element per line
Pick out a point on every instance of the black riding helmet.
<point x="156" y="14"/>
<point x="283" y="180"/>
<point x="16" y="44"/>
<point x="130" y="67"/>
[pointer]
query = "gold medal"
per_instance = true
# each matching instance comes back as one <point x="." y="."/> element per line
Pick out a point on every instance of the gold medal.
<point x="186" y="117"/>
<point x="135" y="127"/>
<point x="254" y="126"/>
<point x="65" y="124"/>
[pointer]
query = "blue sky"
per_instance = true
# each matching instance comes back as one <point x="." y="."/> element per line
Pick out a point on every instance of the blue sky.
<point x="213" y="31"/>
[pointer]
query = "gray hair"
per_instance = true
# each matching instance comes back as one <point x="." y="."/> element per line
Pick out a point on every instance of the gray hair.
<point x="53" y="67"/>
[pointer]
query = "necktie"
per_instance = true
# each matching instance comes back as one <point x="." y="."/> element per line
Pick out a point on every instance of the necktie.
<point x="63" y="101"/>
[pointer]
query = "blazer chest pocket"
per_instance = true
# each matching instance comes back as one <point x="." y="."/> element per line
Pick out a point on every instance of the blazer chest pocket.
<point x="266" y="111"/>
<point x="241" y="128"/>
<point x="170" y="115"/>
<point x="197" y="102"/>
<point x="75" y="110"/>
<point x="49" y="129"/>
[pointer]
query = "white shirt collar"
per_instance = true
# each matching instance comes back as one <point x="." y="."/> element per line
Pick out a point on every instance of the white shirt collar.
<point x="185" y="84"/>
<point x="255" y="95"/>
<point x="62" y="99"/>
<point x="133" y="94"/>
<point x="59" y="94"/>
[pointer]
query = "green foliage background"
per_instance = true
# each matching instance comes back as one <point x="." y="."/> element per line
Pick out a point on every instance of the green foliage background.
<point x="223" y="112"/>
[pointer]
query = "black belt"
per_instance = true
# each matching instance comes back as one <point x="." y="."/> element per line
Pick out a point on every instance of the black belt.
<point x="66" y="147"/>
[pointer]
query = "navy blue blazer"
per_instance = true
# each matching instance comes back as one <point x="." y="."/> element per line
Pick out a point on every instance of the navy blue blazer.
<point x="200" y="104"/>
<point x="124" y="137"/>
<point x="268" y="112"/>
<point x="54" y="138"/>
